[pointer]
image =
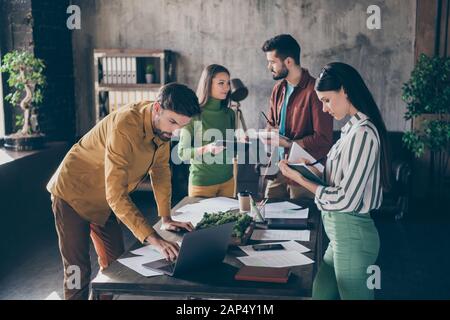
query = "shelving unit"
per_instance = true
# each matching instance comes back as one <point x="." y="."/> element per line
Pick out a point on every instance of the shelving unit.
<point x="120" y="76"/>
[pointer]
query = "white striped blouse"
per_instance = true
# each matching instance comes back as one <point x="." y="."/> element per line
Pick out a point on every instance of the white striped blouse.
<point x="352" y="170"/>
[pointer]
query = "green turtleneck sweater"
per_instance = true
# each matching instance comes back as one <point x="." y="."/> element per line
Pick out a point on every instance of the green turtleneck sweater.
<point x="202" y="171"/>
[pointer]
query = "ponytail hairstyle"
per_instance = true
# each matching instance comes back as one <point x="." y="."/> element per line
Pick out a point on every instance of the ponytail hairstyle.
<point x="337" y="75"/>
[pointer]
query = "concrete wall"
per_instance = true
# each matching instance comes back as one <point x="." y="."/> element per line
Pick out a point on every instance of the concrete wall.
<point x="231" y="33"/>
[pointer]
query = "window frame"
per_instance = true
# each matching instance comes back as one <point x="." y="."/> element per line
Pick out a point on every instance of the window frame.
<point x="2" y="104"/>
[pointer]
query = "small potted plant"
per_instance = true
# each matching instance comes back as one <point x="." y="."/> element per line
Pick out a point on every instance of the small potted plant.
<point x="149" y="73"/>
<point x="26" y="80"/>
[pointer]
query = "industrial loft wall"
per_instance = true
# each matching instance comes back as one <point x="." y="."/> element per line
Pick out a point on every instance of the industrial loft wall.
<point x="231" y="33"/>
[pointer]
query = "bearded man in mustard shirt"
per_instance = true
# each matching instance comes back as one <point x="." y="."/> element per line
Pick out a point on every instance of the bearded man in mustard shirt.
<point x="90" y="189"/>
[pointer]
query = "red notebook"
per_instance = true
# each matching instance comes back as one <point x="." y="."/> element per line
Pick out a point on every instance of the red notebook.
<point x="263" y="274"/>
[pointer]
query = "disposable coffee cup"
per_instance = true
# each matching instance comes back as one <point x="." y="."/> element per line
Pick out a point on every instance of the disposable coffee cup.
<point x="244" y="201"/>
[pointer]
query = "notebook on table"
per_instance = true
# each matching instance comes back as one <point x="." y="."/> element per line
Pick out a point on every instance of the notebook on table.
<point x="263" y="274"/>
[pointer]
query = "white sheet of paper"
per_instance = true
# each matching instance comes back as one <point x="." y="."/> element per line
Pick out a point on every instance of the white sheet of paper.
<point x="222" y="201"/>
<point x="295" y="246"/>
<point x="193" y="217"/>
<point x="209" y="206"/>
<point x="298" y="152"/>
<point x="135" y="264"/>
<point x="288" y="246"/>
<point x="194" y="212"/>
<point x="273" y="234"/>
<point x="150" y="251"/>
<point x="277" y="260"/>
<point x="288" y="214"/>
<point x="280" y="206"/>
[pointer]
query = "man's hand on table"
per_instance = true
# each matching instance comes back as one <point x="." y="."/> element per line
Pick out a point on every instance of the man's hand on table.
<point x="170" y="225"/>
<point x="168" y="249"/>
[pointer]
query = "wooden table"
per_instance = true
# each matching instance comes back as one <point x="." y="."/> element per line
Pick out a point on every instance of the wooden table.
<point x="217" y="282"/>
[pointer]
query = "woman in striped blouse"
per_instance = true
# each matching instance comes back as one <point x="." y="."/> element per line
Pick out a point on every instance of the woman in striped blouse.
<point x="356" y="171"/>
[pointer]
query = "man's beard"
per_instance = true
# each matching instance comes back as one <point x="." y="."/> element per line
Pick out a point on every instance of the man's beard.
<point x="282" y="74"/>
<point x="164" y="136"/>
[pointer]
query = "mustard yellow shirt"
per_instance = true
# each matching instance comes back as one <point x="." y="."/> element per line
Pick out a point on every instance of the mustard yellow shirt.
<point x="99" y="172"/>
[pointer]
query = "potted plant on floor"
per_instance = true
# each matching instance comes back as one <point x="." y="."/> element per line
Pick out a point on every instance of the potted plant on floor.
<point x="149" y="73"/>
<point x="427" y="96"/>
<point x="26" y="80"/>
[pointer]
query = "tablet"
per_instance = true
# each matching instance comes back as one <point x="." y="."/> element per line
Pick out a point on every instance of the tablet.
<point x="286" y="223"/>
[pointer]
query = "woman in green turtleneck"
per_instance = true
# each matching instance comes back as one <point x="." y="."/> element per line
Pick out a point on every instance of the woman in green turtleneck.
<point x="211" y="169"/>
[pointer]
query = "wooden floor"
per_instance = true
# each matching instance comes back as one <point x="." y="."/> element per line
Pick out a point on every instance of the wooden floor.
<point x="414" y="259"/>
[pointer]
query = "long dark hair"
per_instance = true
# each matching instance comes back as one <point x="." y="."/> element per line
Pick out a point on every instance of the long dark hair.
<point x="337" y="75"/>
<point x="205" y="83"/>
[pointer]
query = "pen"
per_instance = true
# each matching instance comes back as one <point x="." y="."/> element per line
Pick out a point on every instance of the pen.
<point x="262" y="204"/>
<point x="267" y="119"/>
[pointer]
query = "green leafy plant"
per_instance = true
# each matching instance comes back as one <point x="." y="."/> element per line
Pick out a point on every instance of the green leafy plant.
<point x="149" y="69"/>
<point x="218" y="218"/>
<point x="428" y="92"/>
<point x="26" y="79"/>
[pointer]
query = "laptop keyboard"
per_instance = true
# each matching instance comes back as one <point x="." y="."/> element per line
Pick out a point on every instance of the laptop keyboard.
<point x="169" y="267"/>
<point x="166" y="265"/>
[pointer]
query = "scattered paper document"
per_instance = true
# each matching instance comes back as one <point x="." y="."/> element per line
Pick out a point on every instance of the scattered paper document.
<point x="277" y="260"/>
<point x="280" y="206"/>
<point x="222" y="201"/>
<point x="300" y="235"/>
<point x="193" y="217"/>
<point x="150" y="251"/>
<point x="285" y="209"/>
<point x="194" y="212"/>
<point x="212" y="205"/>
<point x="135" y="264"/>
<point x="298" y="152"/>
<point x="287" y="214"/>
<point x="288" y="246"/>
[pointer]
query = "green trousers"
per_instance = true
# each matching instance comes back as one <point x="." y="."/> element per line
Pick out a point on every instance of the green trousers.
<point x="353" y="247"/>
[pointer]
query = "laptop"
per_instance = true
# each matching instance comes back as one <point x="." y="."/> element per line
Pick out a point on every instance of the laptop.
<point x="199" y="249"/>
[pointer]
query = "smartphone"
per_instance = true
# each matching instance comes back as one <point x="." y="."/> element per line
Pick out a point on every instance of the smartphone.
<point x="260" y="247"/>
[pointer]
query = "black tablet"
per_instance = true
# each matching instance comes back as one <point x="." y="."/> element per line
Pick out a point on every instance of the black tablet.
<point x="286" y="223"/>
